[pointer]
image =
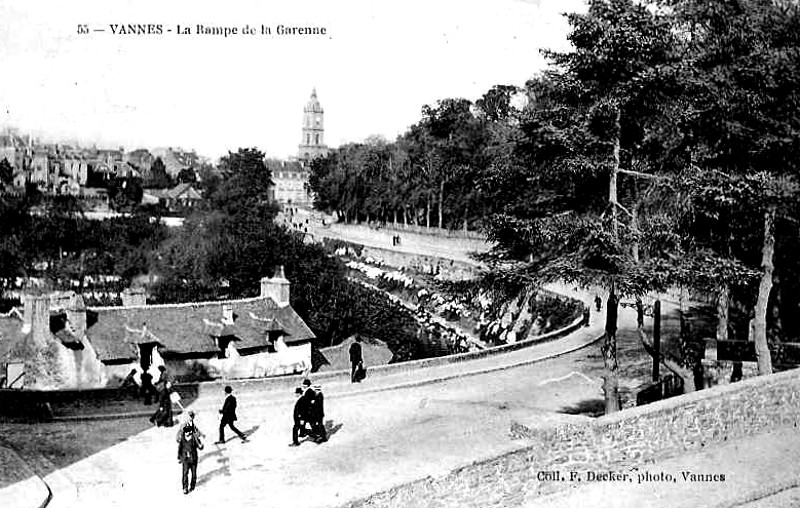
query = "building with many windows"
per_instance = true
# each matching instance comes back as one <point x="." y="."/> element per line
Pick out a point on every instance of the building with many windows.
<point x="291" y="177"/>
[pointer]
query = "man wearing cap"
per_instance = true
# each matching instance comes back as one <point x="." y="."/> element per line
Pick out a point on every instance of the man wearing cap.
<point x="187" y="454"/>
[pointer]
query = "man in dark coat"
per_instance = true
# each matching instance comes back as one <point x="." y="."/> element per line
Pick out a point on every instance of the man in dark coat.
<point x="147" y="387"/>
<point x="163" y="415"/>
<point x="355" y="358"/>
<point x="187" y="455"/>
<point x="302" y="409"/>
<point x="163" y="379"/>
<point x="228" y="413"/>
<point x="316" y="413"/>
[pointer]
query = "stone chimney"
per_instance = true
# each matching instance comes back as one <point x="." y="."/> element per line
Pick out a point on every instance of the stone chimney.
<point x="227" y="314"/>
<point x="76" y="315"/>
<point x="36" y="320"/>
<point x="134" y="297"/>
<point x="276" y="288"/>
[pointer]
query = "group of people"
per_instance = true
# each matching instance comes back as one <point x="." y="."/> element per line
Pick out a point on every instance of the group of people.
<point x="190" y="439"/>
<point x="395" y="240"/>
<point x="309" y="414"/>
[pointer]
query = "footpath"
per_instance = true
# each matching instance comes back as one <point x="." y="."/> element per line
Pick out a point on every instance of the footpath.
<point x="386" y="431"/>
<point x="392" y="429"/>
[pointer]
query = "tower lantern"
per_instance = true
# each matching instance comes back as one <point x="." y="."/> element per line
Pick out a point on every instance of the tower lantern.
<point x="312" y="143"/>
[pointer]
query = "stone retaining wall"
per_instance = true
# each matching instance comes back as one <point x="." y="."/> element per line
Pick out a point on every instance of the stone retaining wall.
<point x="616" y="442"/>
<point x="44" y="405"/>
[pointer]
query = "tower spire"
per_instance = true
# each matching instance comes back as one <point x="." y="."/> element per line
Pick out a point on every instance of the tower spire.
<point x="312" y="143"/>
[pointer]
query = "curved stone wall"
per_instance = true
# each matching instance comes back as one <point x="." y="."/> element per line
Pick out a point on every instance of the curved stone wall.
<point x="611" y="443"/>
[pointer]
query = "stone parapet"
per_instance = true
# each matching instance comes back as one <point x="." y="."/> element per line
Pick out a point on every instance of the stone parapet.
<point x="616" y="442"/>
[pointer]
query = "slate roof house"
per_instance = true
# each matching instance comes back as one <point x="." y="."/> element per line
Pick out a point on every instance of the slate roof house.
<point x="63" y="344"/>
<point x="180" y="197"/>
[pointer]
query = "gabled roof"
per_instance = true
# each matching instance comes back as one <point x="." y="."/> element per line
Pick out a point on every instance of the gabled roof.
<point x="193" y="328"/>
<point x="183" y="190"/>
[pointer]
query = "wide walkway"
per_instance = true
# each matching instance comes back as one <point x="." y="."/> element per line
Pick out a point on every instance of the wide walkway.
<point x="384" y="432"/>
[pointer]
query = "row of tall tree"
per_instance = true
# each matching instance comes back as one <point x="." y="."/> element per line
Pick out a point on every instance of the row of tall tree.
<point x="661" y="151"/>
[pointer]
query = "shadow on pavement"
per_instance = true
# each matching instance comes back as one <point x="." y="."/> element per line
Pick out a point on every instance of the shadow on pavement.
<point x="590" y="407"/>
<point x="331" y="428"/>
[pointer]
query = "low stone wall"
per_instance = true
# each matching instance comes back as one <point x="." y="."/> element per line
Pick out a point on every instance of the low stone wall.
<point x="422" y="230"/>
<point x="612" y="443"/>
<point x="43" y="405"/>
<point x="454" y="270"/>
<point x="36" y="405"/>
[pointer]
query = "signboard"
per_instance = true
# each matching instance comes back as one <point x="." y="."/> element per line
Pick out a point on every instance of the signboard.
<point x="15" y="375"/>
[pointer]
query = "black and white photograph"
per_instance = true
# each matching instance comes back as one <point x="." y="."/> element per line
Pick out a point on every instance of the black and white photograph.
<point x="434" y="254"/>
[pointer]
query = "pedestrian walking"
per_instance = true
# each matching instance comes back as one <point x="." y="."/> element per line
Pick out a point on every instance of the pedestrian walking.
<point x="598" y="303"/>
<point x="163" y="415"/>
<point x="188" y="445"/>
<point x="190" y="421"/>
<point x="301" y="414"/>
<point x="147" y="388"/>
<point x="355" y="358"/>
<point x="228" y="413"/>
<point x="316" y="413"/>
<point x="163" y="379"/>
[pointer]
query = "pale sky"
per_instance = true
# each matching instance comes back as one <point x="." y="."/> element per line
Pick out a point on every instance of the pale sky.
<point x="378" y="65"/>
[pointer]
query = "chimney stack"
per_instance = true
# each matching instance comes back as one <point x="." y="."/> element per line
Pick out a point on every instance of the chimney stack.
<point x="134" y="297"/>
<point x="36" y="320"/>
<point x="227" y="314"/>
<point x="76" y="315"/>
<point x="276" y="288"/>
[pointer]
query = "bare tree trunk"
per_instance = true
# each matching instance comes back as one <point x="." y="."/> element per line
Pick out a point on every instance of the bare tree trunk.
<point x="612" y="183"/>
<point x="466" y="215"/>
<point x="777" y="305"/>
<point x="609" y="351"/>
<point x="723" y="310"/>
<point x="394" y="216"/>
<point x="759" y="328"/>
<point x="428" y="212"/>
<point x="441" y="204"/>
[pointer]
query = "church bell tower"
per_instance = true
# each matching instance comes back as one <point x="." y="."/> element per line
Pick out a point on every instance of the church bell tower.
<point x="312" y="144"/>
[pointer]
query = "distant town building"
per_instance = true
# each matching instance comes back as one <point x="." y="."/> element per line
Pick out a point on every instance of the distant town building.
<point x="176" y="160"/>
<point x="291" y="177"/>
<point x="179" y="198"/>
<point x="291" y="182"/>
